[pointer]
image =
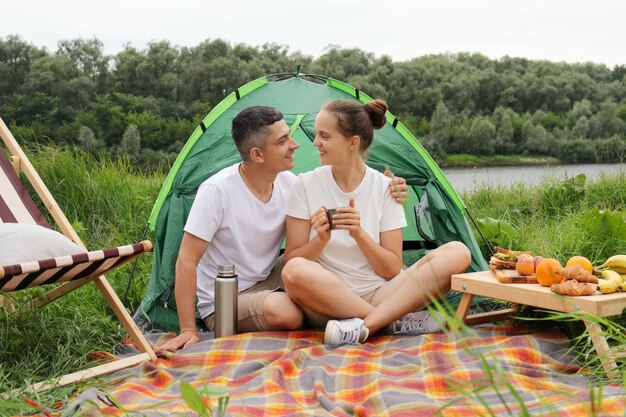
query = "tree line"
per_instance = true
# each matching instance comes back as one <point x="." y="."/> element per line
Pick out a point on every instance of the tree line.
<point x="145" y="103"/>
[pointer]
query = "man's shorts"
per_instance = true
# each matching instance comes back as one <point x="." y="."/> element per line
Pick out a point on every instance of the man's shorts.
<point x="250" y="302"/>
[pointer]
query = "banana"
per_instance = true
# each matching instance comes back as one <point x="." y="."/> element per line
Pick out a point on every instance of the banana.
<point x="611" y="276"/>
<point x="618" y="269"/>
<point x="611" y="282"/>
<point x="607" y="287"/>
<point x="615" y="261"/>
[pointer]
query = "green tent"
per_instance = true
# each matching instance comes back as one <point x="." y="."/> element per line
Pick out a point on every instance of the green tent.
<point x="434" y="211"/>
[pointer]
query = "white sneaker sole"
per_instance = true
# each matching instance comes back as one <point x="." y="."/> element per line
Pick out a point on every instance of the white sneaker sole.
<point x="327" y="337"/>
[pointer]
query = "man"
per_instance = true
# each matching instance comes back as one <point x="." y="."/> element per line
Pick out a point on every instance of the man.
<point x="238" y="217"/>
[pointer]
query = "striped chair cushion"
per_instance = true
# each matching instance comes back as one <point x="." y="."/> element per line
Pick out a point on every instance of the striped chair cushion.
<point x="68" y="268"/>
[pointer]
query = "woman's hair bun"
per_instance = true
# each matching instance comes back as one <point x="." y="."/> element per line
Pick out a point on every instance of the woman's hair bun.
<point x="377" y="110"/>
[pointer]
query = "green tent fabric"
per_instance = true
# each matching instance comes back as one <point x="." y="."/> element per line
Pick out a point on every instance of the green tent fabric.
<point x="299" y="97"/>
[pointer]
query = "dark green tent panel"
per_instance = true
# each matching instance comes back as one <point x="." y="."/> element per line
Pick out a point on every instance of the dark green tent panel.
<point x="435" y="212"/>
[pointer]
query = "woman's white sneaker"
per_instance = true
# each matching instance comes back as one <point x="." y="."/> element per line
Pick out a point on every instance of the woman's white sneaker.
<point x="345" y="332"/>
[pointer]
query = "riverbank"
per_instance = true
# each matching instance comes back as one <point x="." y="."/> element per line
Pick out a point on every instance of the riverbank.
<point x="472" y="161"/>
<point x="466" y="179"/>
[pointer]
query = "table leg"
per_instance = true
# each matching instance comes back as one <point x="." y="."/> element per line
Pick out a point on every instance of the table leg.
<point x="462" y="310"/>
<point x="479" y="318"/>
<point x="464" y="306"/>
<point x="602" y="348"/>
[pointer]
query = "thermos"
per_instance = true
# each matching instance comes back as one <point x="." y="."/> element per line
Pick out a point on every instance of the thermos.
<point x="225" y="301"/>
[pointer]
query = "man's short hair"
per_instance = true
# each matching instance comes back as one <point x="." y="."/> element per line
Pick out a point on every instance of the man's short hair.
<point x="251" y="126"/>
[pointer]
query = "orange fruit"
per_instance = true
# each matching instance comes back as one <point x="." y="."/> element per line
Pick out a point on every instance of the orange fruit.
<point x="582" y="261"/>
<point x="546" y="272"/>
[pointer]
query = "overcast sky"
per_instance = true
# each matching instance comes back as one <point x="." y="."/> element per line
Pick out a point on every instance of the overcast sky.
<point x="557" y="30"/>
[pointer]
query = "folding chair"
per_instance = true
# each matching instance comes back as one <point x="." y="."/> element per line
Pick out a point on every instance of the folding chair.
<point x="17" y="206"/>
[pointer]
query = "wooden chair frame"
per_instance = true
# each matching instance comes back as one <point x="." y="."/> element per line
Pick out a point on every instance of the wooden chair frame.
<point x="21" y="164"/>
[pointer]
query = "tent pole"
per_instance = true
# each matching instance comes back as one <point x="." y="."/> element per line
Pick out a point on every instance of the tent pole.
<point x="487" y="243"/>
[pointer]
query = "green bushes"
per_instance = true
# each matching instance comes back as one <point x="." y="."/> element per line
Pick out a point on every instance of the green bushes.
<point x="454" y="103"/>
<point x="600" y="150"/>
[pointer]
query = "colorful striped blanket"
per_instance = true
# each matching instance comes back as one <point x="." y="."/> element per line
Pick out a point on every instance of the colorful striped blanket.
<point x="489" y="371"/>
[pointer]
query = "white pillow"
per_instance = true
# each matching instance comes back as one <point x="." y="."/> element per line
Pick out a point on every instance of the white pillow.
<point x="21" y="243"/>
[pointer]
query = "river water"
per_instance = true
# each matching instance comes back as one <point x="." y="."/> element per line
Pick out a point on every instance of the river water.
<point x="466" y="179"/>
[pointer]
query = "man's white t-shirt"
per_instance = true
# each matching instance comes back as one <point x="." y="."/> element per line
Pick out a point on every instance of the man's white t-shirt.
<point x="378" y="210"/>
<point x="240" y="229"/>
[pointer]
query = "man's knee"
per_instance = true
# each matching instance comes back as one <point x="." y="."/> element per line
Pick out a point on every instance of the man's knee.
<point x="281" y="313"/>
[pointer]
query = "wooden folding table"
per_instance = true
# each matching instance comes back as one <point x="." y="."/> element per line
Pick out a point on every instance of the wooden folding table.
<point x="485" y="284"/>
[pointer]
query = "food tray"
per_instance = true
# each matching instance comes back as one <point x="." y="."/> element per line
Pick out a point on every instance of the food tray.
<point x="510" y="276"/>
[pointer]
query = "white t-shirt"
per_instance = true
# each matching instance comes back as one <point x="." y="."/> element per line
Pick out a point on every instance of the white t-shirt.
<point x="378" y="210"/>
<point x="240" y="229"/>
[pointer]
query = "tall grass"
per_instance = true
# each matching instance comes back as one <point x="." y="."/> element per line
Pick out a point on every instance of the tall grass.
<point x="109" y="202"/>
<point x="552" y="219"/>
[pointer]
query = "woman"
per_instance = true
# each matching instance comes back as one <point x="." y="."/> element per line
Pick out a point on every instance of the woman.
<point x="353" y="271"/>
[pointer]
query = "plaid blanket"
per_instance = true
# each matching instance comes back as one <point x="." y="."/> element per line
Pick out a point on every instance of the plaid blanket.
<point x="490" y="371"/>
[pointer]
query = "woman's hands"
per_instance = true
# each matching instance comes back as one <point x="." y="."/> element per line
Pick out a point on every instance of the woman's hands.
<point x="347" y="218"/>
<point x="384" y="256"/>
<point x="320" y="223"/>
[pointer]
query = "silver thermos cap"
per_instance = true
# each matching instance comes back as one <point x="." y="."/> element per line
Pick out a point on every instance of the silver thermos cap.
<point x="225" y="270"/>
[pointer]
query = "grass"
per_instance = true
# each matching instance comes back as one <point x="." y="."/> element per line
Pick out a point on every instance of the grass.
<point x="109" y="202"/>
<point x="552" y="219"/>
<point x="470" y="161"/>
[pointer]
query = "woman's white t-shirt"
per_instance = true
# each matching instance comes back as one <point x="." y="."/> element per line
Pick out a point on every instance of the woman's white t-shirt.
<point x="378" y="210"/>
